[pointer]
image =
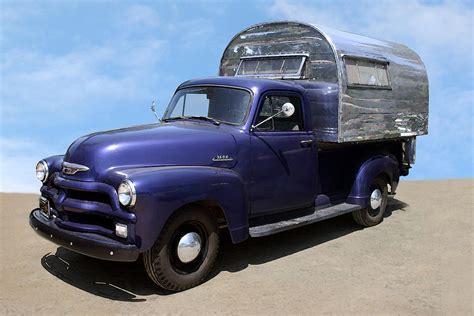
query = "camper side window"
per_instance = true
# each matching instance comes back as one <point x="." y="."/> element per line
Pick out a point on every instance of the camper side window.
<point x="366" y="73"/>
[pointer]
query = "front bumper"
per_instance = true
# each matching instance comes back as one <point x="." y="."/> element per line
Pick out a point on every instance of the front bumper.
<point x="89" y="244"/>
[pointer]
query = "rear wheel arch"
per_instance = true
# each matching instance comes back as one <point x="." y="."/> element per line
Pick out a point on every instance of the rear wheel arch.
<point x="385" y="176"/>
<point x="383" y="166"/>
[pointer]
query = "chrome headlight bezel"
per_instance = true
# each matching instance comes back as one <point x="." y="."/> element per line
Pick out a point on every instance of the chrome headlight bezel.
<point x="45" y="171"/>
<point x="127" y="195"/>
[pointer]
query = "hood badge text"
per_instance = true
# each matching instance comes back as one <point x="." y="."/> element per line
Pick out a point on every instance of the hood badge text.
<point x="73" y="168"/>
<point x="222" y="158"/>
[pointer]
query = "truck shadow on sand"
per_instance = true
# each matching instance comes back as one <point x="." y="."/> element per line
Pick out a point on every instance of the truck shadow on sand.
<point x="129" y="281"/>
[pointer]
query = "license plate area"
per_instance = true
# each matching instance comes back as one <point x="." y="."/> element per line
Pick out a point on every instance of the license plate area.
<point x="44" y="207"/>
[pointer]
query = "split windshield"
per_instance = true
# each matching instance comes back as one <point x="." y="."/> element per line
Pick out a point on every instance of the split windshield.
<point x="222" y="104"/>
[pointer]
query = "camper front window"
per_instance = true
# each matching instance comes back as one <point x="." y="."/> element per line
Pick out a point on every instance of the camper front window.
<point x="274" y="66"/>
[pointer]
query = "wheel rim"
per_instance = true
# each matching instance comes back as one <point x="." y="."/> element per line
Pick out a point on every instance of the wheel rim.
<point x="188" y="247"/>
<point x="376" y="201"/>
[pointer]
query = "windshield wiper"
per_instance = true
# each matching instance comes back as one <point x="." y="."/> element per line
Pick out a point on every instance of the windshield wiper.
<point x="193" y="117"/>
<point x="205" y="118"/>
<point x="174" y="118"/>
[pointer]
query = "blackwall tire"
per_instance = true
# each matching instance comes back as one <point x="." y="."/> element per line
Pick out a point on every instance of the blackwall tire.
<point x="165" y="263"/>
<point x="371" y="216"/>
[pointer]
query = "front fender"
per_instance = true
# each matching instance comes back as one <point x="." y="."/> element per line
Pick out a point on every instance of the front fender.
<point x="54" y="163"/>
<point x="373" y="167"/>
<point x="163" y="190"/>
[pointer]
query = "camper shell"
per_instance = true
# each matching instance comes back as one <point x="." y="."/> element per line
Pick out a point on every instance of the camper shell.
<point x="374" y="89"/>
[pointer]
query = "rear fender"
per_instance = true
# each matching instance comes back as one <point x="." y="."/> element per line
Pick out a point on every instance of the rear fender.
<point x="163" y="190"/>
<point x="386" y="165"/>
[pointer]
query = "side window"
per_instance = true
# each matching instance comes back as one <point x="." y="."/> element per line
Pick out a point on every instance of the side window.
<point x="366" y="73"/>
<point x="272" y="105"/>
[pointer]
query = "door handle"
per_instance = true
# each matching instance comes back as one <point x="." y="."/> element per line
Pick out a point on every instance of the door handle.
<point x="306" y="143"/>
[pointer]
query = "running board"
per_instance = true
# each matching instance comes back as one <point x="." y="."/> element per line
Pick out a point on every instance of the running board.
<point x="316" y="216"/>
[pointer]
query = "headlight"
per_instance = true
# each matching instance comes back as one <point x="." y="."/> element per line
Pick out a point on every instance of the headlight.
<point x="126" y="193"/>
<point x="42" y="171"/>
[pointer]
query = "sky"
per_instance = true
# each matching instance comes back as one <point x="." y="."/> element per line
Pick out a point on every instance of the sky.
<point x="69" y="68"/>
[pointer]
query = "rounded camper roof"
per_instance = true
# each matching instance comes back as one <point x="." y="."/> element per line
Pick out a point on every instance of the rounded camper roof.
<point x="286" y="37"/>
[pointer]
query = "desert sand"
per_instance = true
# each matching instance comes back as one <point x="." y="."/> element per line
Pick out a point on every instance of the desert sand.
<point x="418" y="261"/>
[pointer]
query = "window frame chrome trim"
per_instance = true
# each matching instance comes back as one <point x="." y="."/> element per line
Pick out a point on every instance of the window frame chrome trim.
<point x="297" y="75"/>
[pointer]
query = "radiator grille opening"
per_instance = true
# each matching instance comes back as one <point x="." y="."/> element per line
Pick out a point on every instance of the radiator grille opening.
<point x="88" y="196"/>
<point x="90" y="219"/>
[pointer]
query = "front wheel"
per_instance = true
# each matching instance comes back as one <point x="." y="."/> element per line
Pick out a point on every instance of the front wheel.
<point x="185" y="252"/>
<point x="373" y="213"/>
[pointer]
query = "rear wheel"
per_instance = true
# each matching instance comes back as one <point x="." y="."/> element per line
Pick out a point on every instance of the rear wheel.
<point x="185" y="252"/>
<point x="373" y="213"/>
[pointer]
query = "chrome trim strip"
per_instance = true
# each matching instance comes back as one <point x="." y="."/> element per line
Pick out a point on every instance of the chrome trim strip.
<point x="379" y="59"/>
<point x="275" y="55"/>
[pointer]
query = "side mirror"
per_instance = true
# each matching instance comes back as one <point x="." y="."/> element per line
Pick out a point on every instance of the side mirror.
<point x="288" y="109"/>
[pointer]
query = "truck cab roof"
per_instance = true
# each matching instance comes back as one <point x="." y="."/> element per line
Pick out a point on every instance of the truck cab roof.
<point x="253" y="84"/>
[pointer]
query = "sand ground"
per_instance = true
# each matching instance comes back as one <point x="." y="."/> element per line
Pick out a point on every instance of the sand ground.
<point x="418" y="261"/>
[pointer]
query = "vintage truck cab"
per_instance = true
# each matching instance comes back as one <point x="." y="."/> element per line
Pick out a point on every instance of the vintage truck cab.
<point x="276" y="142"/>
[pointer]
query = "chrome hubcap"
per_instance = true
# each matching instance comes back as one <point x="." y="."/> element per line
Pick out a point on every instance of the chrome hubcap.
<point x="189" y="247"/>
<point x="375" y="199"/>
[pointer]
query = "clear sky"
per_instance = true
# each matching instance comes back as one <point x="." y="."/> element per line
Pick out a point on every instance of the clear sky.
<point x="68" y="68"/>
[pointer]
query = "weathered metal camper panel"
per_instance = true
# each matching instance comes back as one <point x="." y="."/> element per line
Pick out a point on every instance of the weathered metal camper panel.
<point x="394" y="105"/>
<point x="398" y="110"/>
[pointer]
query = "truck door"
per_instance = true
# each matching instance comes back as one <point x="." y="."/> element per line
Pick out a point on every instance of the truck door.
<point x="284" y="157"/>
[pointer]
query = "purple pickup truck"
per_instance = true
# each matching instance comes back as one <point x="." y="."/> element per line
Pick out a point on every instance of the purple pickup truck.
<point x="304" y="123"/>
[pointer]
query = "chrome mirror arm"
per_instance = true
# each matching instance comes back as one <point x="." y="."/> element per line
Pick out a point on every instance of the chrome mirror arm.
<point x="153" y="109"/>
<point x="287" y="109"/>
<point x="265" y="120"/>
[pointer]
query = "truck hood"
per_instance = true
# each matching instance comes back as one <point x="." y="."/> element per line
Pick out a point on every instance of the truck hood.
<point x="167" y="144"/>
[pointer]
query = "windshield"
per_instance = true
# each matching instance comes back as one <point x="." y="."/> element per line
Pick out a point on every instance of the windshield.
<point x="226" y="105"/>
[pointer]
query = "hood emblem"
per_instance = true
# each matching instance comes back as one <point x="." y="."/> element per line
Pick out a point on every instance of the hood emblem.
<point x="73" y="168"/>
<point x="222" y="158"/>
